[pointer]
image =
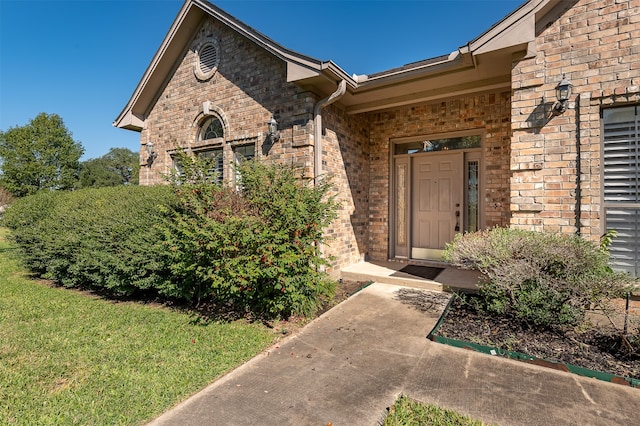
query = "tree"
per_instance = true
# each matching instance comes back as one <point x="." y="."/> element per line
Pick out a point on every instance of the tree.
<point x="40" y="155"/>
<point x="120" y="166"/>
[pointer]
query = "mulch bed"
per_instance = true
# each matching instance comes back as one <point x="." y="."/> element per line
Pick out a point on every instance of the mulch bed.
<point x="344" y="290"/>
<point x="597" y="348"/>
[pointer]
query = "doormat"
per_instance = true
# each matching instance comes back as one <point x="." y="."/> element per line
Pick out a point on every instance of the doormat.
<point x="412" y="271"/>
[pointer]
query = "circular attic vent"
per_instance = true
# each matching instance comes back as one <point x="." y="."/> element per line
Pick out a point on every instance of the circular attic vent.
<point x="206" y="60"/>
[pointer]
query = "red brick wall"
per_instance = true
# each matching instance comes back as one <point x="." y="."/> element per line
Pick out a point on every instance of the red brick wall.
<point x="345" y="150"/>
<point x="249" y="87"/>
<point x="595" y="43"/>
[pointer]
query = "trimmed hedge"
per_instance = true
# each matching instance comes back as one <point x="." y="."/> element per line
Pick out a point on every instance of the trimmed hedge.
<point x="539" y="278"/>
<point x="105" y="238"/>
<point x="253" y="249"/>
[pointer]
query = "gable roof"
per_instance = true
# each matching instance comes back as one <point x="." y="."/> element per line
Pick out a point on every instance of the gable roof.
<point x="177" y="41"/>
<point x="482" y="64"/>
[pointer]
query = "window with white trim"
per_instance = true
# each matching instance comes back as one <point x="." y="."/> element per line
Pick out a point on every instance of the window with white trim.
<point x="621" y="160"/>
<point x="217" y="156"/>
<point x="211" y="129"/>
<point x="243" y="152"/>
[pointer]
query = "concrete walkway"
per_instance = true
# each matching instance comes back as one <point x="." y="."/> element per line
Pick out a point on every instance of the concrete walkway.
<point x="350" y="364"/>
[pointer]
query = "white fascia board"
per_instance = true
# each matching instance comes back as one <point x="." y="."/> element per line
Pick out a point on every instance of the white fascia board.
<point x="516" y="29"/>
<point x="147" y="75"/>
<point x="297" y="59"/>
<point x="130" y="122"/>
<point x="521" y="32"/>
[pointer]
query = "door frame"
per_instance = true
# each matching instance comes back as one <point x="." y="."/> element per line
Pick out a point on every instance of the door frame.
<point x="472" y="154"/>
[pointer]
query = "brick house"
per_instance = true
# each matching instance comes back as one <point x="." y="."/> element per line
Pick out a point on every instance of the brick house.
<point x="469" y="140"/>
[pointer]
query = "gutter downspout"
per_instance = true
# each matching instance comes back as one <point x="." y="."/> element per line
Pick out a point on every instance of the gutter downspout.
<point x="317" y="137"/>
<point x="317" y="127"/>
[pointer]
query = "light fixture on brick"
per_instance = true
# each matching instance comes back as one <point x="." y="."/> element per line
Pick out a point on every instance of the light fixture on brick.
<point x="563" y="93"/>
<point x="273" y="134"/>
<point x="151" y="154"/>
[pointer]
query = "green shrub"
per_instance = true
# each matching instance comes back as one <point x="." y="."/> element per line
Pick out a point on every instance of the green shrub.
<point x="255" y="248"/>
<point x="25" y="217"/>
<point x="93" y="238"/>
<point x="540" y="278"/>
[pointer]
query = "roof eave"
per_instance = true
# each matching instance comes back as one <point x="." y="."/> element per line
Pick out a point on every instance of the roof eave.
<point x="191" y="14"/>
<point x="454" y="61"/>
<point x="129" y="121"/>
<point x="121" y="121"/>
<point x="516" y="29"/>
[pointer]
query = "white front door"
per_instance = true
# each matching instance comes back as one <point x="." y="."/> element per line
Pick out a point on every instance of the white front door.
<point x="437" y="196"/>
<point x="435" y="193"/>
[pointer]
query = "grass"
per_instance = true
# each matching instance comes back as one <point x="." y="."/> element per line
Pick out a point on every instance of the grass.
<point x="407" y="412"/>
<point x="70" y="358"/>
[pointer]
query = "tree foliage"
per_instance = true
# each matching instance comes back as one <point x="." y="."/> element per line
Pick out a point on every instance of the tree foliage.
<point x="120" y="166"/>
<point x="40" y="155"/>
<point x="255" y="247"/>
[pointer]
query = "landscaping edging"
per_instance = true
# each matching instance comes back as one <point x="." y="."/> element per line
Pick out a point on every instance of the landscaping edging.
<point x="489" y="350"/>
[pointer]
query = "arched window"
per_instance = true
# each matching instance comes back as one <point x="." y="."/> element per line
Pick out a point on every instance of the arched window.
<point x="211" y="129"/>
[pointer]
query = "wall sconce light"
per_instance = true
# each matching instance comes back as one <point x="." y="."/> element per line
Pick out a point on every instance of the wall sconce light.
<point x="273" y="134"/>
<point x="151" y="154"/>
<point x="563" y="93"/>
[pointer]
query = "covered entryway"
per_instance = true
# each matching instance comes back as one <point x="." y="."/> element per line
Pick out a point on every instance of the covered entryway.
<point x="436" y="183"/>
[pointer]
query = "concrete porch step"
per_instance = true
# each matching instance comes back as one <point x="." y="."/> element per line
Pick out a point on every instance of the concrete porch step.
<point x="383" y="272"/>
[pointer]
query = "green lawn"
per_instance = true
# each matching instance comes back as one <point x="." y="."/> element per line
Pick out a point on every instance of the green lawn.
<point x="69" y="358"/>
<point x="407" y="412"/>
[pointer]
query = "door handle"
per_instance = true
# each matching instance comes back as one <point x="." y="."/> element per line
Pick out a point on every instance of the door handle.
<point x="457" y="228"/>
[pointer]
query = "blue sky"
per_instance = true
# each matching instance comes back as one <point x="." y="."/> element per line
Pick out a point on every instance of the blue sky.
<point x="82" y="59"/>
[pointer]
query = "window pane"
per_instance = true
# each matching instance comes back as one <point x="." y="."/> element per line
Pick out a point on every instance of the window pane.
<point x="625" y="248"/>
<point x="472" y="196"/>
<point x="433" y="145"/>
<point x="177" y="166"/>
<point x="621" y="163"/>
<point x="216" y="156"/>
<point x="244" y="152"/>
<point x="621" y="155"/>
<point x="619" y="115"/>
<point x="211" y="129"/>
